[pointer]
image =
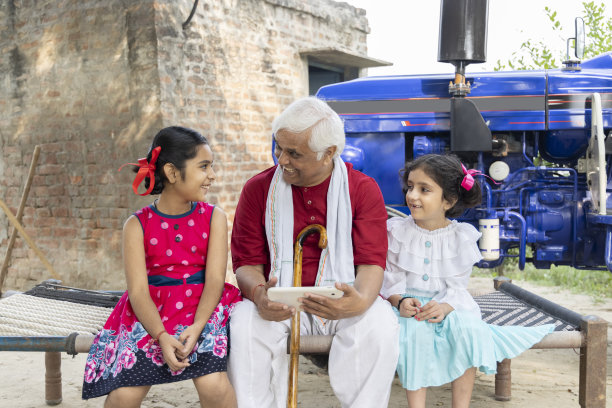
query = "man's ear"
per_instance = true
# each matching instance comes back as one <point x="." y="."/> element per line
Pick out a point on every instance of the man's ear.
<point x="170" y="172"/>
<point x="330" y="151"/>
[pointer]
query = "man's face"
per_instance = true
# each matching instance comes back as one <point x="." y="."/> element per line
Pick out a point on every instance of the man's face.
<point x="299" y="163"/>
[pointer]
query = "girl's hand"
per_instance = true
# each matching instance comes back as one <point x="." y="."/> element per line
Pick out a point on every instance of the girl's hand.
<point x="169" y="346"/>
<point x="188" y="339"/>
<point x="409" y="307"/>
<point x="434" y="312"/>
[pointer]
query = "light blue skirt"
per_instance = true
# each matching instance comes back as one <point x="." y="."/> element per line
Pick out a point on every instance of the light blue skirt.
<point x="433" y="354"/>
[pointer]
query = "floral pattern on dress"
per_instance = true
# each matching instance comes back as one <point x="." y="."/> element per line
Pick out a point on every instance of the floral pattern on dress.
<point x="113" y="352"/>
<point x="215" y="332"/>
<point x="123" y="354"/>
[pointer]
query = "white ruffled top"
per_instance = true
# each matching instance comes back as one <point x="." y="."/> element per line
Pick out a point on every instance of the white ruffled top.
<point x="434" y="264"/>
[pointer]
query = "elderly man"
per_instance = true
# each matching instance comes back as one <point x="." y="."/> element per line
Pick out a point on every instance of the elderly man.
<point x="312" y="185"/>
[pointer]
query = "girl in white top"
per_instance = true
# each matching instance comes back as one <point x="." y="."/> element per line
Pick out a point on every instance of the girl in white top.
<point x="430" y="259"/>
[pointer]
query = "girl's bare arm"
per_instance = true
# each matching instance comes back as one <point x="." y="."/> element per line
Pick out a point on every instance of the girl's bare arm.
<point x="138" y="291"/>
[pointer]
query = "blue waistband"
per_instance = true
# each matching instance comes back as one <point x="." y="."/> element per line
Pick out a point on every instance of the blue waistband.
<point x="160" y="280"/>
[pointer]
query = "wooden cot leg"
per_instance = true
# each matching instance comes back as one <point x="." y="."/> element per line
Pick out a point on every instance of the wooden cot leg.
<point x="53" y="377"/>
<point x="592" y="393"/>
<point x="503" y="381"/>
<point x="503" y="378"/>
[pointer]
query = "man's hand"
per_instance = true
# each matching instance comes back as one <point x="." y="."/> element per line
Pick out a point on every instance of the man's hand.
<point x="433" y="311"/>
<point x="268" y="309"/>
<point x="351" y="304"/>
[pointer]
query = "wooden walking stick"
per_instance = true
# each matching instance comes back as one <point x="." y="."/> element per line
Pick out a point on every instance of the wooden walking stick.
<point x="294" y="348"/>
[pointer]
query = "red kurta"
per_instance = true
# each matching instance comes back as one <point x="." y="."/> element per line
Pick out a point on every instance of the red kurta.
<point x="369" y="234"/>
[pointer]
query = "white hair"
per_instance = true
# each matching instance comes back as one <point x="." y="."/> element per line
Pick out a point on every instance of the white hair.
<point x="310" y="113"/>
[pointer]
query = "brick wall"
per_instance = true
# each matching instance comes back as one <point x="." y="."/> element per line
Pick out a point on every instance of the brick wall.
<point x="91" y="82"/>
<point x="240" y="67"/>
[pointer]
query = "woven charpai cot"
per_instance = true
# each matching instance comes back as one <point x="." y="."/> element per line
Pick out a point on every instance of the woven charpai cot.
<point x="502" y="309"/>
<point x="49" y="310"/>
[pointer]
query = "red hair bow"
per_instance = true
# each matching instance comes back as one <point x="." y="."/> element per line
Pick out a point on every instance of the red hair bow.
<point x="146" y="169"/>
<point x="468" y="179"/>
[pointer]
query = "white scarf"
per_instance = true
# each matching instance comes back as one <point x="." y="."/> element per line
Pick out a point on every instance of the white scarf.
<point x="336" y="262"/>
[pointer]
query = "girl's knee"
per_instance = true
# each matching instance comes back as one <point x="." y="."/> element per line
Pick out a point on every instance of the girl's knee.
<point x="215" y="390"/>
<point x="213" y="385"/>
<point x="125" y="397"/>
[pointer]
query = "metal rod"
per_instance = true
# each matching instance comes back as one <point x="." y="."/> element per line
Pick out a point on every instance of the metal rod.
<point x="522" y="238"/>
<point x="193" y="9"/>
<point x="70" y="344"/>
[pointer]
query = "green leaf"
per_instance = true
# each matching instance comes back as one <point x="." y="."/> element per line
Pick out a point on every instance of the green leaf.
<point x="532" y="55"/>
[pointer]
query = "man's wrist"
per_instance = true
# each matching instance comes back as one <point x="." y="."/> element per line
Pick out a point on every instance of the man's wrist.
<point x="254" y="291"/>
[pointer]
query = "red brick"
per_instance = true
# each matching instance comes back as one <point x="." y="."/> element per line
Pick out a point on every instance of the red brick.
<point x="60" y="212"/>
<point x="57" y="190"/>
<point x="43" y="212"/>
<point x="49" y="169"/>
<point x="64" y="232"/>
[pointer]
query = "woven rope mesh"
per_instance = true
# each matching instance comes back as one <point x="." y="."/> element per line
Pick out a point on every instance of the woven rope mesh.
<point x="52" y="310"/>
<point x="502" y="309"/>
<point x="25" y="315"/>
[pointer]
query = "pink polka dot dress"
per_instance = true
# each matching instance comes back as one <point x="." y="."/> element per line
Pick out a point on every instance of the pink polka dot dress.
<point x="123" y="354"/>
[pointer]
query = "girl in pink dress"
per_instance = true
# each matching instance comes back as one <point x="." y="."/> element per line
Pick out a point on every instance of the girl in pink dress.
<point x="172" y="323"/>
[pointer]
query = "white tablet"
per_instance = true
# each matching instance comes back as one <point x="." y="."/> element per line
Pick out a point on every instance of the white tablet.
<point x="290" y="295"/>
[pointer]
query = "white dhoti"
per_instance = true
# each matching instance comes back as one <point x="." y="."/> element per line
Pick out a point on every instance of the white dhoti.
<point x="362" y="359"/>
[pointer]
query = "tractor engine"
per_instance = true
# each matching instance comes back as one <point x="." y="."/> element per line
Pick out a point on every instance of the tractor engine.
<point x="538" y="136"/>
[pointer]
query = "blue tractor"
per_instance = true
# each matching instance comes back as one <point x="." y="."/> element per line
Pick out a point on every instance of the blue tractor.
<point x="539" y="134"/>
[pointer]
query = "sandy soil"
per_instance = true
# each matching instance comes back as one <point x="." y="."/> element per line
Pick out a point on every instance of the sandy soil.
<point x="540" y="378"/>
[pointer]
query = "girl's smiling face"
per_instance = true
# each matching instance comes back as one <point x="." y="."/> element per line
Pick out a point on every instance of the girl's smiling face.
<point x="426" y="201"/>
<point x="197" y="176"/>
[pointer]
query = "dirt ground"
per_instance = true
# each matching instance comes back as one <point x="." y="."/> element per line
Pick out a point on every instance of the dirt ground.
<point x="540" y="378"/>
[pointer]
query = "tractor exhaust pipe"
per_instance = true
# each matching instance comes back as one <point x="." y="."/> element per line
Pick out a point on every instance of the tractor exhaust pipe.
<point x="463" y="41"/>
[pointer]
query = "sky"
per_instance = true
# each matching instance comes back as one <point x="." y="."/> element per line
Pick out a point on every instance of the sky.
<point x="405" y="32"/>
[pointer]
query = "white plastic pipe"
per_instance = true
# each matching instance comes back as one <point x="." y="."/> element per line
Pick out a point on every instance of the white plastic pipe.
<point x="489" y="241"/>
